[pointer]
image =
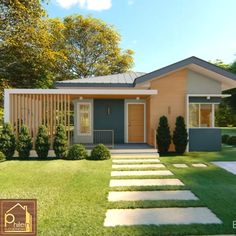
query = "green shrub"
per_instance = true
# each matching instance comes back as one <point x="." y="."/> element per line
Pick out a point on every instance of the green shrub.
<point x="60" y="144"/>
<point x="77" y="152"/>
<point x="24" y="143"/>
<point x="180" y="136"/>
<point x="100" y="152"/>
<point x="224" y="138"/>
<point x="163" y="137"/>
<point x="42" y="144"/>
<point x="231" y="140"/>
<point x="2" y="156"/>
<point x="7" y="141"/>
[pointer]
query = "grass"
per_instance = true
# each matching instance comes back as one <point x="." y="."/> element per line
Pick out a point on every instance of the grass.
<point x="229" y="131"/>
<point x="72" y="195"/>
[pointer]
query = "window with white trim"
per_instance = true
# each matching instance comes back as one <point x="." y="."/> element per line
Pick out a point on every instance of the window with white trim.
<point x="84" y="118"/>
<point x="202" y="115"/>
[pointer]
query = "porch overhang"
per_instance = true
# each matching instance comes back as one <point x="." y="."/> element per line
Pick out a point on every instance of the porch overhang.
<point x="84" y="91"/>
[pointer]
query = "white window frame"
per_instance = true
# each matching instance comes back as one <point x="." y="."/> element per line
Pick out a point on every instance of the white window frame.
<point x="199" y="113"/>
<point x="78" y="118"/>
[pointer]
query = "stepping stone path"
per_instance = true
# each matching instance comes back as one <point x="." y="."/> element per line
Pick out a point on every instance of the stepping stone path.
<point x="199" y="165"/>
<point x="151" y="195"/>
<point x="156" y="216"/>
<point x="160" y="216"/>
<point x="141" y="173"/>
<point x="227" y="165"/>
<point x="137" y="161"/>
<point x="138" y="166"/>
<point x="180" y="165"/>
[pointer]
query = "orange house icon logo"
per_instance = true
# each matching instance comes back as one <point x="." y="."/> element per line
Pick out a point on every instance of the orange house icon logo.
<point x="18" y="217"/>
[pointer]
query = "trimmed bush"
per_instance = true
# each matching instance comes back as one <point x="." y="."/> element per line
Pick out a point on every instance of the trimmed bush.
<point x="224" y="138"/>
<point x="163" y="137"/>
<point x="60" y="144"/>
<point x="2" y="156"/>
<point x="180" y="136"/>
<point x="77" y="152"/>
<point x="24" y="143"/>
<point x="231" y="140"/>
<point x="100" y="152"/>
<point x="7" y="141"/>
<point x="42" y="144"/>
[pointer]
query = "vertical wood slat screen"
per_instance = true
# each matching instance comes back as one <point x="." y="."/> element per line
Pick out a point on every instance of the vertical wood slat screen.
<point x="34" y="110"/>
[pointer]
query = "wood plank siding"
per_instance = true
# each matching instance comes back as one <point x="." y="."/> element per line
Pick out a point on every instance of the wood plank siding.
<point x="170" y="101"/>
<point x="34" y="110"/>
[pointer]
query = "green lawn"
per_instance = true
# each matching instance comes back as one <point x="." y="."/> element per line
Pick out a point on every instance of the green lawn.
<point x="72" y="194"/>
<point x="229" y="131"/>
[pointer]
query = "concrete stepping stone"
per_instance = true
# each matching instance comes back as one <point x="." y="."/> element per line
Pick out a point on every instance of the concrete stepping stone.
<point x="136" y="161"/>
<point x="199" y="165"/>
<point x="144" y="182"/>
<point x="160" y="216"/>
<point x="227" y="165"/>
<point x="141" y="173"/>
<point x="131" y="166"/>
<point x="180" y="165"/>
<point x="151" y="195"/>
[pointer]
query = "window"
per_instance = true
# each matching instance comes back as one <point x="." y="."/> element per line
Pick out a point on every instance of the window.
<point x="84" y="118"/>
<point x="193" y="115"/>
<point x="202" y="115"/>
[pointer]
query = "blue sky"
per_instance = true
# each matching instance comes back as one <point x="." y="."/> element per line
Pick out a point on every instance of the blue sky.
<point x="162" y="32"/>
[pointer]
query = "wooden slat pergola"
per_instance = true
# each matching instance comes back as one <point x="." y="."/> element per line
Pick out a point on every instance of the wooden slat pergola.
<point x="34" y="110"/>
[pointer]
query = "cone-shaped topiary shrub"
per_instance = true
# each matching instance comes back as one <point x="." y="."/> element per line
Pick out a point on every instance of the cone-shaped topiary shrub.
<point x="77" y="152"/>
<point x="60" y="144"/>
<point x="2" y="156"/>
<point x="163" y="137"/>
<point x="42" y="144"/>
<point x="100" y="152"/>
<point x="24" y="143"/>
<point x="7" y="141"/>
<point x="180" y="136"/>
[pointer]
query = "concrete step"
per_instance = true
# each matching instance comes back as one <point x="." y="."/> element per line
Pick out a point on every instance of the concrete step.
<point x="135" y="155"/>
<point x="133" y="151"/>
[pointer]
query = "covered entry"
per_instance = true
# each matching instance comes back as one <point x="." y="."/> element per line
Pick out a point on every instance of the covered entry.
<point x="109" y="115"/>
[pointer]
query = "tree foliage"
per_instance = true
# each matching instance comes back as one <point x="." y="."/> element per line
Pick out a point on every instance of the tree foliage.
<point x="24" y="143"/>
<point x="27" y="57"/>
<point x="226" y="115"/>
<point x="42" y="144"/>
<point x="92" y="48"/>
<point x="7" y="141"/>
<point x="180" y="136"/>
<point x="60" y="144"/>
<point x="163" y="136"/>
<point x="36" y="50"/>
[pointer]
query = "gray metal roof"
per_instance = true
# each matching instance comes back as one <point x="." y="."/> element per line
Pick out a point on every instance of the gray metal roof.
<point x="184" y="63"/>
<point x="115" y="80"/>
<point x="130" y="79"/>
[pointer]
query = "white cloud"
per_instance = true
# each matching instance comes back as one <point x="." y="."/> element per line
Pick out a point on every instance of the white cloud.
<point x="130" y="2"/>
<point x="95" y="5"/>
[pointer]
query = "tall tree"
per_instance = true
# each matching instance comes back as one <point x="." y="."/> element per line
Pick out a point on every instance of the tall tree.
<point x="27" y="57"/>
<point x="92" y="48"/>
<point x="226" y="115"/>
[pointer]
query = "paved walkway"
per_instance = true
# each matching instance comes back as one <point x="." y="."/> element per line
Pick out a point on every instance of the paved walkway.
<point x="148" y="173"/>
<point x="227" y="165"/>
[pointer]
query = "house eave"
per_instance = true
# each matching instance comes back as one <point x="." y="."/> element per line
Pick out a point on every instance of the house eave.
<point x="84" y="91"/>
